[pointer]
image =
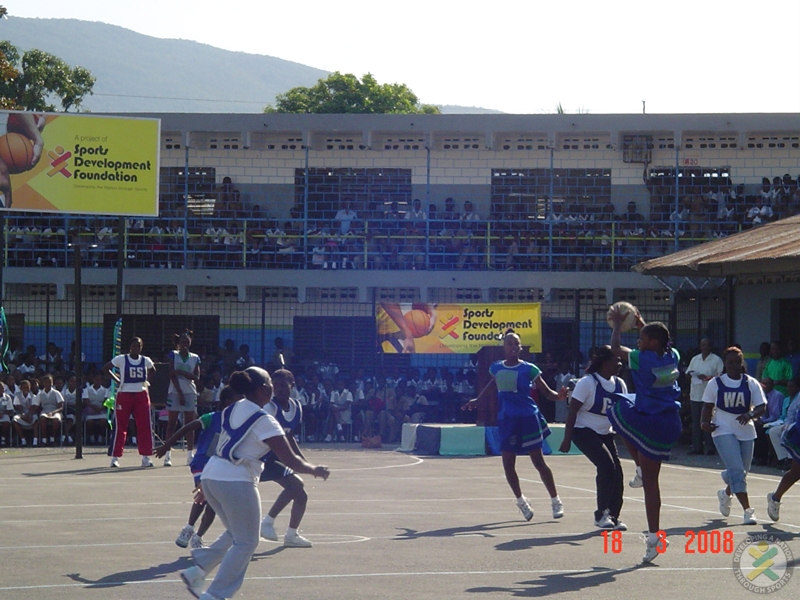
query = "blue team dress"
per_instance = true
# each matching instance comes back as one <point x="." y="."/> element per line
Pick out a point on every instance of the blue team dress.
<point x="791" y="439"/>
<point x="649" y="418"/>
<point x="520" y="425"/>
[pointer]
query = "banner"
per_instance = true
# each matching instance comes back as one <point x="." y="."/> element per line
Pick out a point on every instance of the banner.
<point x="65" y="163"/>
<point x="455" y="328"/>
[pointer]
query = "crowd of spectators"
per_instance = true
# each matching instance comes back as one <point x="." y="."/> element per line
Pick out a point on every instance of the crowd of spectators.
<point x="569" y="234"/>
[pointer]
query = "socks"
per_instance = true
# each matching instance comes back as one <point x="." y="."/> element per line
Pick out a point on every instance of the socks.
<point x="269" y="520"/>
<point x="291" y="532"/>
<point x="652" y="538"/>
<point x="555" y="500"/>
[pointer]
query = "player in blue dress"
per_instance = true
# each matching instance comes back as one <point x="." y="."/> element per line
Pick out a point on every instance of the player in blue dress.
<point x="521" y="426"/>
<point x="790" y="439"/>
<point x="289" y="414"/>
<point x="648" y="421"/>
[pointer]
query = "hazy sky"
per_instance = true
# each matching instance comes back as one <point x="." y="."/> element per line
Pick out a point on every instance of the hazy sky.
<point x="521" y="56"/>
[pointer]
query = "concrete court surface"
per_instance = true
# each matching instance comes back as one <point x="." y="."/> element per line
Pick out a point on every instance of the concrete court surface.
<point x="385" y="525"/>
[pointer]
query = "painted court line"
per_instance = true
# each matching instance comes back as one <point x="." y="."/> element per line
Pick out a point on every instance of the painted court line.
<point x="384" y="574"/>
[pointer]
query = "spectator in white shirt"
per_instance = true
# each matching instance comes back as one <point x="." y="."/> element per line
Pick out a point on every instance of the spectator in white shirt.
<point x="345" y="217"/>
<point x="26" y="405"/>
<point x="703" y="368"/>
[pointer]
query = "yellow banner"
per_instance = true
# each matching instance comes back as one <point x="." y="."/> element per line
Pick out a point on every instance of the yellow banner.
<point x="455" y="328"/>
<point x="79" y="163"/>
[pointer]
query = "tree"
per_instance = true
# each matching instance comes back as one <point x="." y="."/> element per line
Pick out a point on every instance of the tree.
<point x="36" y="79"/>
<point x="345" y="93"/>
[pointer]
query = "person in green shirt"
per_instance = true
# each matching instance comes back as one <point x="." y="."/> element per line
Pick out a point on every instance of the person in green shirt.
<point x="778" y="369"/>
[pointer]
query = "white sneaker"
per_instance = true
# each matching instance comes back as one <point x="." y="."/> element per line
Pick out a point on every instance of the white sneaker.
<point x="724" y="503"/>
<point x="114" y="463"/>
<point x="749" y="517"/>
<point x="604" y="522"/>
<point x="525" y="508"/>
<point x="328" y="438"/>
<point x="268" y="531"/>
<point x="773" y="507"/>
<point x="168" y="459"/>
<point x="185" y="536"/>
<point x="558" y="507"/>
<point x="35" y="441"/>
<point x="651" y="550"/>
<point x="69" y="439"/>
<point x="147" y="462"/>
<point x="637" y="482"/>
<point x="194" y="578"/>
<point x="619" y="525"/>
<point x="189" y="457"/>
<point x="133" y="440"/>
<point x="296" y="541"/>
<point x="196" y="542"/>
<point x="23" y="442"/>
<point x="52" y="441"/>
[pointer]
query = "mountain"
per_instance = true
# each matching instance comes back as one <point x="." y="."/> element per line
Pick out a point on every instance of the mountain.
<point x="139" y="73"/>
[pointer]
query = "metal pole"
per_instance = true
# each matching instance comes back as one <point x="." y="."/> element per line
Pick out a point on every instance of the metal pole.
<point x="263" y="326"/>
<point x="186" y="207"/>
<point x="428" y="205"/>
<point x="677" y="195"/>
<point x="550" y="213"/>
<point x="120" y="262"/>
<point x="305" y="213"/>
<point x="76" y="252"/>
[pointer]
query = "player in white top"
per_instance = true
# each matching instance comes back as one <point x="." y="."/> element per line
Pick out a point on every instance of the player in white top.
<point x="6" y="412"/>
<point x="736" y="400"/>
<point x="132" y="398"/>
<point x="184" y="372"/>
<point x="230" y="484"/>
<point x="588" y="426"/>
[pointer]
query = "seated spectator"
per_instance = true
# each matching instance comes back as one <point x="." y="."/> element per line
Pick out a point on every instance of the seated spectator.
<point x="244" y="359"/>
<point x="6" y="412"/>
<point x="393" y="415"/>
<point x="788" y="417"/>
<point x="51" y="360"/>
<point x="30" y="362"/>
<point x="26" y="405"/>
<point x="94" y="410"/>
<point x="345" y="217"/>
<point x="774" y="410"/>
<point x="51" y="408"/>
<point x="760" y="213"/>
<point x="778" y="368"/>
<point x="69" y="391"/>
<point x="340" y="414"/>
<point x="417" y="405"/>
<point x="416" y="213"/>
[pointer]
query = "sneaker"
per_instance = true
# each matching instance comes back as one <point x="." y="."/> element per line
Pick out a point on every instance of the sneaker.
<point x="189" y="457"/>
<point x="724" y="503"/>
<point x="558" y="507"/>
<point x="296" y="540"/>
<point x="23" y="442"/>
<point x="268" y="531"/>
<point x="525" y="508"/>
<point x="619" y="525"/>
<point x="52" y="441"/>
<point x="69" y="439"/>
<point x="147" y="462"/>
<point x="773" y="507"/>
<point x="637" y="482"/>
<point x="133" y="441"/>
<point x="115" y="463"/>
<point x="328" y="438"/>
<point x="196" y="542"/>
<point x="194" y="578"/>
<point x="749" y="517"/>
<point x="651" y="550"/>
<point x="168" y="459"/>
<point x="185" y="536"/>
<point x="604" y="522"/>
<point x="35" y="441"/>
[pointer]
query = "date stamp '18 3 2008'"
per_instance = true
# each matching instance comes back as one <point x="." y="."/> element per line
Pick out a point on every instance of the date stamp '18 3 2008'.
<point x="697" y="542"/>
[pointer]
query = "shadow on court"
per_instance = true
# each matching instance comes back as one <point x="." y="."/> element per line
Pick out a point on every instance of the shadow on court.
<point x="548" y="541"/>
<point x="556" y="583"/>
<point x="483" y="530"/>
<point x="124" y="577"/>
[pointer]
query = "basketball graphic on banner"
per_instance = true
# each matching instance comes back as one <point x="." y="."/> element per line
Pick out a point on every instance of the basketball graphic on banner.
<point x="419" y="322"/>
<point x="16" y="151"/>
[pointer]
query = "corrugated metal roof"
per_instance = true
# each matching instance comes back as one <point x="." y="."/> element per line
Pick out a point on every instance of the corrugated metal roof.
<point x="772" y="248"/>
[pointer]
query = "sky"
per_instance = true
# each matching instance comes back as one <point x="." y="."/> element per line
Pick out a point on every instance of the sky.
<point x="523" y="56"/>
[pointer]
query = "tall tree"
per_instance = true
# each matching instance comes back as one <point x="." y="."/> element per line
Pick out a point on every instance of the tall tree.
<point x="345" y="93"/>
<point x="37" y="79"/>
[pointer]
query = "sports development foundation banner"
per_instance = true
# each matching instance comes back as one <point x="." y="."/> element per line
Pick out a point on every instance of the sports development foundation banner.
<point x="455" y="328"/>
<point x="81" y="164"/>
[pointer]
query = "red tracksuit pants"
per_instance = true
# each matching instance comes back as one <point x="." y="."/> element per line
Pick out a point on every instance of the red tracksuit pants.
<point x="138" y="404"/>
